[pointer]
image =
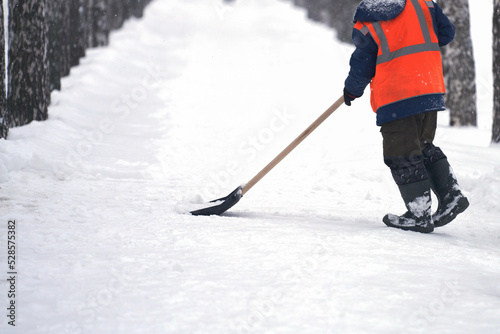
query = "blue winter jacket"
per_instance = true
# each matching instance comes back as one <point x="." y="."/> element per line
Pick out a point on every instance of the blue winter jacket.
<point x="364" y="60"/>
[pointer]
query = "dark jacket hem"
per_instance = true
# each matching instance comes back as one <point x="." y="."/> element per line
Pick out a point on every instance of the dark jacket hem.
<point x="409" y="107"/>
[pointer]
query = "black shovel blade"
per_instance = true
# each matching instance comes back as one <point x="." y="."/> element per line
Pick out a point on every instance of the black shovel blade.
<point x="220" y="205"/>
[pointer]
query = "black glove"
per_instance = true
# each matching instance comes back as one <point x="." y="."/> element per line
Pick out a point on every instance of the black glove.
<point x="348" y="97"/>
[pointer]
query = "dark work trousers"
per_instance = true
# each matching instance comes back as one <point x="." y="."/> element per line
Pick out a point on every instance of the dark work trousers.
<point x="408" y="136"/>
<point x="404" y="141"/>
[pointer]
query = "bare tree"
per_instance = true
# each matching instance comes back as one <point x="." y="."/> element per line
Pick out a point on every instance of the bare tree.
<point x="77" y="34"/>
<point x="29" y="82"/>
<point x="136" y="7"/>
<point x="118" y="12"/>
<point x="459" y="67"/>
<point x="47" y="38"/>
<point x="98" y="17"/>
<point x="58" y="42"/>
<point x="496" y="71"/>
<point x="3" y="94"/>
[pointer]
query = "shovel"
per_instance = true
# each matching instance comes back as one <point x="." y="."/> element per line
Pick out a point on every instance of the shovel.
<point x="221" y="205"/>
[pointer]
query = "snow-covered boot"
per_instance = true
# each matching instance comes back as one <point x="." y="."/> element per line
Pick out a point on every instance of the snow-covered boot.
<point x="417" y="198"/>
<point x="445" y="185"/>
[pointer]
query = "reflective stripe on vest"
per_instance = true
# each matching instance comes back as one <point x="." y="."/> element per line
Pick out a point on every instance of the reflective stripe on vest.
<point x="364" y="30"/>
<point x="387" y="55"/>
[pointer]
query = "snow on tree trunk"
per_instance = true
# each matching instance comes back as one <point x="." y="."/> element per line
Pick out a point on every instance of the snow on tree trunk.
<point x="496" y="71"/>
<point x="3" y="95"/>
<point x="29" y="88"/>
<point x="458" y="65"/>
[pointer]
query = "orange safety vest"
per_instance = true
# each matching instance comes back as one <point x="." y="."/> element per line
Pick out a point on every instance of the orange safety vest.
<point x="409" y="58"/>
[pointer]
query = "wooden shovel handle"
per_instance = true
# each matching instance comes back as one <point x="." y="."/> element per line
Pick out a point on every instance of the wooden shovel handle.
<point x="292" y="145"/>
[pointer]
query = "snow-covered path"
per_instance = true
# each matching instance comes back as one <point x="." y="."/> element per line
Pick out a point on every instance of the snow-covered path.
<point x="184" y="106"/>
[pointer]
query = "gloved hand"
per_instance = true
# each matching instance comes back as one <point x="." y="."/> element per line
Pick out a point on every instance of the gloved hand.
<point x="348" y="97"/>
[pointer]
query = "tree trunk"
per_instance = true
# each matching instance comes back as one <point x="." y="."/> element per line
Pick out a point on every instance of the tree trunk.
<point x="100" y="28"/>
<point x="59" y="41"/>
<point x="116" y="13"/>
<point x="29" y="80"/>
<point x="459" y="67"/>
<point x="496" y="71"/>
<point x="3" y="94"/>
<point x="47" y="38"/>
<point x="77" y="40"/>
<point x="136" y="7"/>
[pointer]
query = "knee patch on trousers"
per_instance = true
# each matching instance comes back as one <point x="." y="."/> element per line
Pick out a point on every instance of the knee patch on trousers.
<point x="432" y="154"/>
<point x="406" y="170"/>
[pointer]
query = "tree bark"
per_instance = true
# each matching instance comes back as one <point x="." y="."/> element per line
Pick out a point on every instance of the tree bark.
<point x="3" y="94"/>
<point x="59" y="42"/>
<point x="46" y="39"/>
<point x="29" y="79"/>
<point x="136" y="7"/>
<point x="100" y="27"/>
<point x="117" y="13"/>
<point x="496" y="71"/>
<point x="77" y="40"/>
<point x="459" y="67"/>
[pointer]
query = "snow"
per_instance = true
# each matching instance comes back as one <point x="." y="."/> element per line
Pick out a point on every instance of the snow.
<point x="185" y="105"/>
<point x="383" y="6"/>
<point x="420" y="206"/>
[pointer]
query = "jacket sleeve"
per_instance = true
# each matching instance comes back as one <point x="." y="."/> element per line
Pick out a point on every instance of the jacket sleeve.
<point x="445" y="30"/>
<point x="363" y="63"/>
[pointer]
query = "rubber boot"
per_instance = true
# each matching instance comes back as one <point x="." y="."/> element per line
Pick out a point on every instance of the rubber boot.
<point x="417" y="198"/>
<point x="444" y="184"/>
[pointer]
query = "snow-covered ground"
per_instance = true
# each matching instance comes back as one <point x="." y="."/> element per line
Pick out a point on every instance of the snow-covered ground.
<point x="184" y="106"/>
